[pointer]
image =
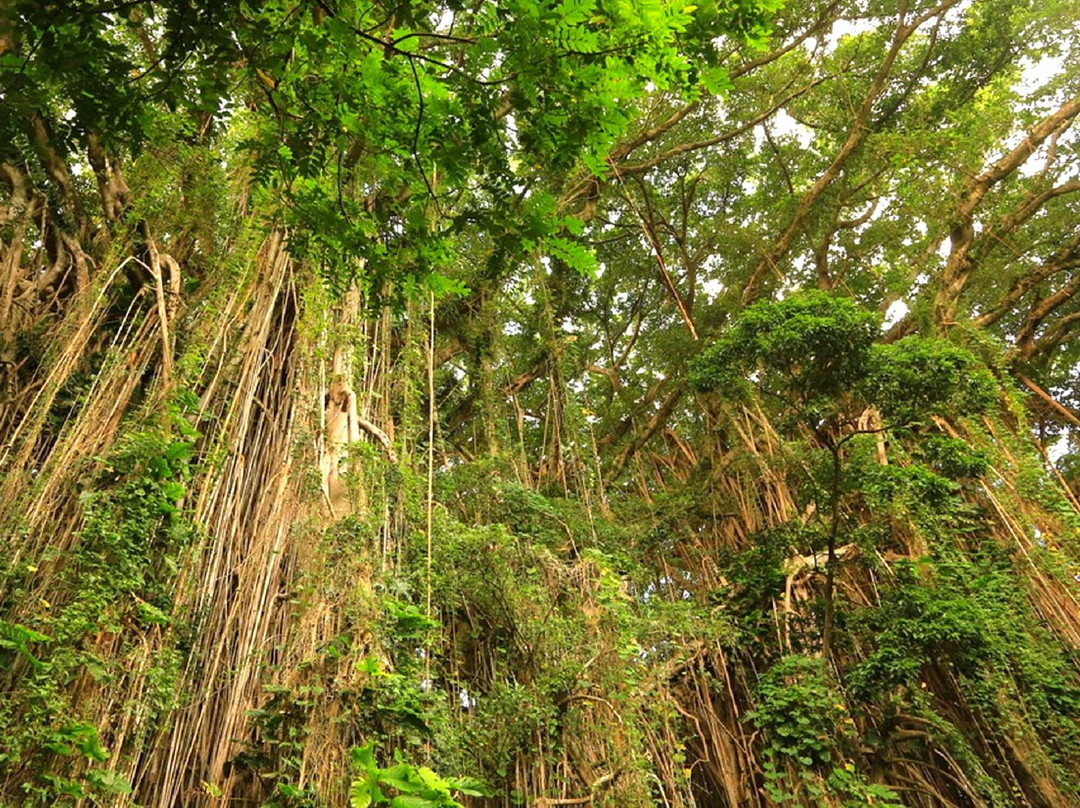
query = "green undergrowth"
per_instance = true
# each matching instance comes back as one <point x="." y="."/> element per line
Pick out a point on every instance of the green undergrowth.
<point x="107" y="599"/>
<point x="543" y="608"/>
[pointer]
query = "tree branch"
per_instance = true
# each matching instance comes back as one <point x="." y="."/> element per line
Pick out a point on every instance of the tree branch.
<point x="958" y="267"/>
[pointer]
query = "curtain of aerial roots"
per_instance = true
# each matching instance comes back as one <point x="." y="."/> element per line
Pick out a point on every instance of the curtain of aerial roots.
<point x="237" y="586"/>
<point x="710" y="692"/>
<point x="40" y="467"/>
<point x="713" y="690"/>
<point x="267" y="589"/>
<point x="269" y="417"/>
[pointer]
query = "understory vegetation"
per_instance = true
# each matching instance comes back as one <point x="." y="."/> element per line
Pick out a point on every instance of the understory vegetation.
<point x="539" y="404"/>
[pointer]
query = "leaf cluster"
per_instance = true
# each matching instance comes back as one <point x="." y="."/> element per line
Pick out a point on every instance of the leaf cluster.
<point x="404" y="785"/>
<point x="815" y="357"/>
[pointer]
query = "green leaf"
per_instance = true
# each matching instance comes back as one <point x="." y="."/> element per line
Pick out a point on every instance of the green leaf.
<point x="173" y="490"/>
<point x="110" y="782"/>
<point x="411" y="801"/>
<point x="150" y="613"/>
<point x="402" y="777"/>
<point x="579" y="258"/>
<point x="715" y="80"/>
<point x="469" y="786"/>
<point x="364" y="757"/>
<point x="359" y="794"/>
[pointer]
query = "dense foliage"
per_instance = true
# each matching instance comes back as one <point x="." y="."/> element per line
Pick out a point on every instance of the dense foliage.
<point x="594" y="402"/>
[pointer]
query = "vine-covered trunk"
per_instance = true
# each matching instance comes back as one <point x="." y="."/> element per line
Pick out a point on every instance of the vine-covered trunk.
<point x="522" y="404"/>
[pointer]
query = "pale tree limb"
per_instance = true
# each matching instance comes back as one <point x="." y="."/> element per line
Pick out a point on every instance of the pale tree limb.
<point x="1059" y="408"/>
<point x="958" y="266"/>
<point x="1066" y="258"/>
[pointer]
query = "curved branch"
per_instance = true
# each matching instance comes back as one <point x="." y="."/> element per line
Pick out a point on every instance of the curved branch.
<point x="1068" y="258"/>
<point x="652" y="426"/>
<point x="1025" y="336"/>
<point x="859" y="130"/>
<point x="959" y="266"/>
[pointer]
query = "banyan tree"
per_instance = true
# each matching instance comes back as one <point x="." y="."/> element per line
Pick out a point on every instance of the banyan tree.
<point x="532" y="403"/>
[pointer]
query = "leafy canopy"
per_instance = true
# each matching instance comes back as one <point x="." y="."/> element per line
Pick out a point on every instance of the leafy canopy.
<point x="817" y="354"/>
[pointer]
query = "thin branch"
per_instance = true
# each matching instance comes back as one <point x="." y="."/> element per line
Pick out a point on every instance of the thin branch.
<point x="416" y="137"/>
<point x="649" y="230"/>
<point x="958" y="267"/>
<point x="1065" y="412"/>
